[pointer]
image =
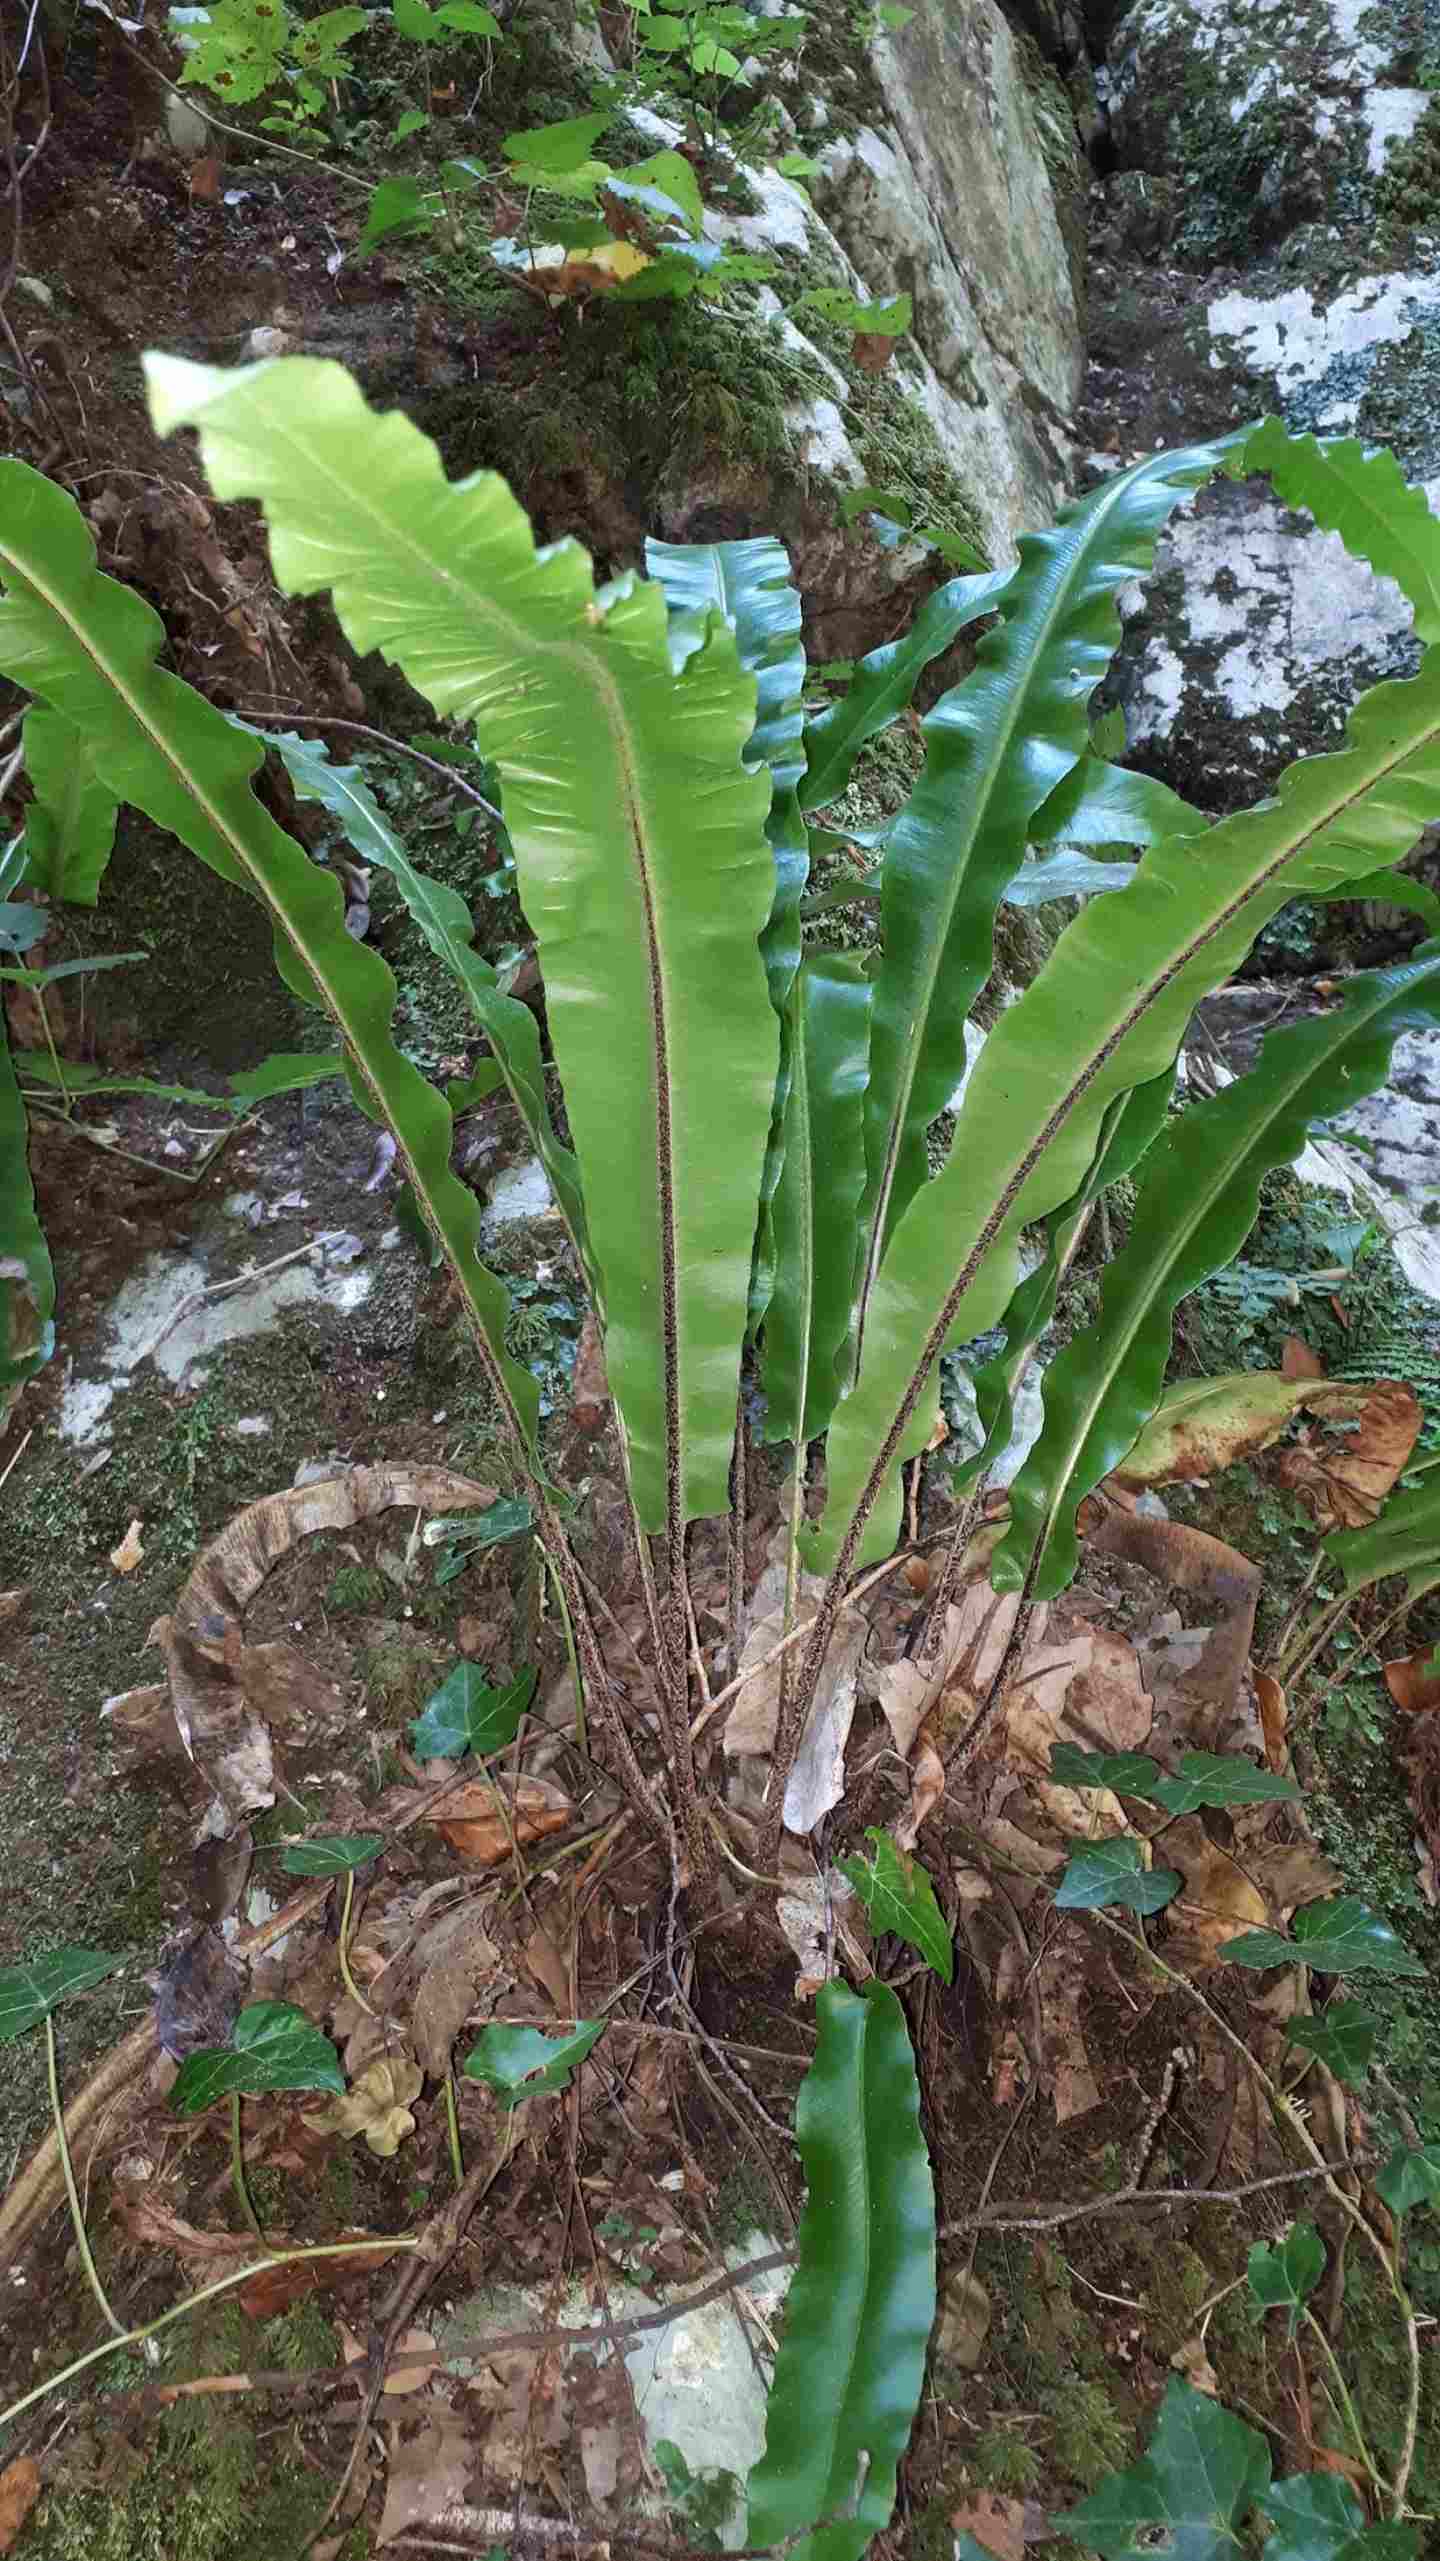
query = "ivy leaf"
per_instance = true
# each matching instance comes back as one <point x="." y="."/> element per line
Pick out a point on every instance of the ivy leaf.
<point x="273" y="2046"/>
<point x="28" y="1993"/>
<point x="1339" y="1937"/>
<point x="1342" y="2035"/>
<point x="1125" y="1773"/>
<point x="1317" y="2517"/>
<point x="1218" y="1778"/>
<point x="1285" y="2276"/>
<point x="520" y="2063"/>
<point x="898" y="1895"/>
<point x="466" y="1715"/>
<point x="332" y="1854"/>
<point x="1111" y="1873"/>
<point x="1410" y="2178"/>
<point x="1185" y="2497"/>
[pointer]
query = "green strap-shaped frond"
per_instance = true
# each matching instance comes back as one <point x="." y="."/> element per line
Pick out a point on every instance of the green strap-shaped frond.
<point x="1362" y="495"/>
<point x="1404" y="1540"/>
<point x="639" y="844"/>
<point x="1132" y="1127"/>
<point x="444" y="920"/>
<point x="1098" y="803"/>
<point x="852" y="2359"/>
<point x="884" y="683"/>
<point x="88" y="648"/>
<point x="1107" y="1012"/>
<point x="997" y="746"/>
<point x="27" y="1282"/>
<point x="750" y="584"/>
<point x="813" y="1217"/>
<point x="70" y="824"/>
<point x="1197" y="1202"/>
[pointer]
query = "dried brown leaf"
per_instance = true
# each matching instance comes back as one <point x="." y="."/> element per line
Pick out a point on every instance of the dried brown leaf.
<point x="130" y="1552"/>
<point x="1274" y="1715"/>
<point x="457" y="1955"/>
<point x="1297" y="1360"/>
<point x="1216" y="1900"/>
<point x="427" y="2474"/>
<point x="19" y="2490"/>
<point x="1413" y="1680"/>
<point x="1349" y="1458"/>
<point x="376" y="2105"/>
<point x="997" y="2524"/>
<point x="474" y="1827"/>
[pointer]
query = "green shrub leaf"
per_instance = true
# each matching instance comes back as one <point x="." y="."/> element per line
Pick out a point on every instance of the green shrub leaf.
<point x="1342" y="2036"/>
<point x="1285" y="2276"/>
<point x="899" y="1896"/>
<point x="1410" y="2178"/>
<point x="1315" y="2516"/>
<point x="1113" y="1874"/>
<point x="520" y="2063"/>
<point x="273" y="2046"/>
<point x="466" y="1714"/>
<point x="1126" y="1773"/>
<point x="852" y="2357"/>
<point x="1187" y="2495"/>
<point x="1218" y="1778"/>
<point x="29" y="1992"/>
<point x="1339" y="1937"/>
<point x="331" y="1853"/>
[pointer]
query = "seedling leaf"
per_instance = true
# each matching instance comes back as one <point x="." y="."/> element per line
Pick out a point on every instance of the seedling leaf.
<point x="467" y="1715"/>
<point x="1339" y="1937"/>
<point x="1111" y="1873"/>
<point x="273" y="2046"/>
<point x="1201" y="2472"/>
<point x="898" y="1895"/>
<point x="520" y="2063"/>
<point x="333" y="1854"/>
<point x="29" y="1992"/>
<point x="1286" y="2276"/>
<point x="1342" y="2035"/>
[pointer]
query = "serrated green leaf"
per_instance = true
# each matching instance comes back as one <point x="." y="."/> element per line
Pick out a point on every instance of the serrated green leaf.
<point x="89" y="647"/>
<point x="812" y="1217"/>
<point x="273" y="2046"/>
<point x="70" y="826"/>
<point x="520" y="2063"/>
<point x="1197" y="1200"/>
<point x="445" y="922"/>
<point x="27" y="1276"/>
<point x="1218" y="1778"/>
<point x="1342" y="1936"/>
<point x="1188" y="2495"/>
<point x="1410" y="2177"/>
<point x="665" y="183"/>
<point x="1126" y="1773"/>
<point x="1342" y="2036"/>
<point x="640" y="850"/>
<point x="858" y="2318"/>
<point x="287" y="1072"/>
<point x="397" y="204"/>
<point x="29" y="1992"/>
<point x="1113" y="1874"/>
<point x="898" y="1895"/>
<point x="331" y="1853"/>
<point x="466" y="1714"/>
<point x="1283" y="2277"/>
<point x="1315" y="2516"/>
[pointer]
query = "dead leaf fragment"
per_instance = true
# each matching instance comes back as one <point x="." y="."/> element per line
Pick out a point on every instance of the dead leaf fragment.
<point x="1216" y="1901"/>
<point x="19" y="2490"/>
<point x="997" y="2524"/>
<point x="478" y="1820"/>
<point x="376" y="2105"/>
<point x="1413" y="1680"/>
<point x="964" y="2320"/>
<point x="130" y="1551"/>
<point x="1350" y="1456"/>
<point x="415" y="2358"/>
<point x="1297" y="1360"/>
<point x="426" y="2475"/>
<point x="1191" y="2360"/>
<point x="1274" y="1713"/>
<point x="459" y="1955"/>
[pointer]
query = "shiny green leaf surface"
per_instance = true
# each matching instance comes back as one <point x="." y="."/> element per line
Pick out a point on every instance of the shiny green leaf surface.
<point x="29" y="1992"/>
<point x="70" y="824"/>
<point x="520" y="2063"/>
<point x="1189" y="2494"/>
<point x="822" y="1173"/>
<point x="273" y="2046"/>
<point x="898" y="1895"/>
<point x="640" y="849"/>
<point x="860" y="2310"/>
<point x="1342" y="1936"/>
